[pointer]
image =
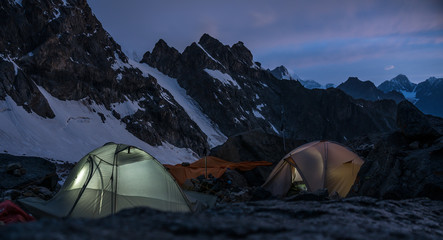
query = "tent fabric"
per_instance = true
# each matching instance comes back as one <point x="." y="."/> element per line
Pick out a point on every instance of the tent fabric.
<point x="215" y="166"/>
<point x="320" y="164"/>
<point x="11" y="213"/>
<point x="109" y="179"/>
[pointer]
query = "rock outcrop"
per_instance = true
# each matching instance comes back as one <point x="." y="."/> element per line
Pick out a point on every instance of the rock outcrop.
<point x="407" y="163"/>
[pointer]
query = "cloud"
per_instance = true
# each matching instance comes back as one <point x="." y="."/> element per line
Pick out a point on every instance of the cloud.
<point x="261" y="19"/>
<point x="389" y="67"/>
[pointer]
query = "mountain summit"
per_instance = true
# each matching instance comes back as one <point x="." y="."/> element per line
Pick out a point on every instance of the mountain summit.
<point x="399" y="83"/>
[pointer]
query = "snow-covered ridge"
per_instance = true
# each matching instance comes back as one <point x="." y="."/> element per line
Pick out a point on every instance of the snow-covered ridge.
<point x="224" y="78"/>
<point x="209" y="55"/>
<point x="75" y="131"/>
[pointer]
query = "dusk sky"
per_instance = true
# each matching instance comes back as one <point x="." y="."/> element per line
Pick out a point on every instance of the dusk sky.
<point x="326" y="41"/>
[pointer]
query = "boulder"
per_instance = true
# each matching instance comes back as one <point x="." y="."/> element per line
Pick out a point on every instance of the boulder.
<point x="394" y="170"/>
<point x="414" y="124"/>
<point x="255" y="146"/>
<point x="32" y="171"/>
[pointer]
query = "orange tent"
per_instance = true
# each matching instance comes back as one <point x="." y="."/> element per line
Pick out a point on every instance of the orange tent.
<point x="214" y="166"/>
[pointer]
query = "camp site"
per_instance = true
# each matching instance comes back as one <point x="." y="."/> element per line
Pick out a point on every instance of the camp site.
<point x="287" y="119"/>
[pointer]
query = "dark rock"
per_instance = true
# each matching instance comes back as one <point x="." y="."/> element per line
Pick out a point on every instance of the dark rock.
<point x="11" y="194"/>
<point x="234" y="178"/>
<point x="12" y="167"/>
<point x="39" y="171"/>
<point x="393" y="170"/>
<point x="164" y="58"/>
<point x="414" y="124"/>
<point x="255" y="146"/>
<point x="414" y="145"/>
<point x="259" y="193"/>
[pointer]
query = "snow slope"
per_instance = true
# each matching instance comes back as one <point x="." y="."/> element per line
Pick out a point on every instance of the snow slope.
<point x="215" y="137"/>
<point x="75" y="131"/>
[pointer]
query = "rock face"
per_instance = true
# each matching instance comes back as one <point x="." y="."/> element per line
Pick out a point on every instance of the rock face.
<point x="345" y="219"/>
<point x="414" y="124"/>
<point x="407" y="163"/>
<point x="367" y="90"/>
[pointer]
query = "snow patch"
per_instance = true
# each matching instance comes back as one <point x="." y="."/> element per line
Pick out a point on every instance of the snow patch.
<point x="410" y="96"/>
<point x="119" y="64"/>
<point x="257" y="114"/>
<point x="19" y="2"/>
<point x="119" y="77"/>
<point x="274" y="128"/>
<point x="8" y="59"/>
<point x="128" y="107"/>
<point x="56" y="14"/>
<point x="259" y="107"/>
<point x="224" y="78"/>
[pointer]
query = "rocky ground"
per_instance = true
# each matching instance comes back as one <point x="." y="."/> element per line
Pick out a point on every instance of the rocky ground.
<point x="352" y="218"/>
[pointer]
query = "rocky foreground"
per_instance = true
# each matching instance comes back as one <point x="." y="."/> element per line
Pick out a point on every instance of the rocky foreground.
<point x="352" y="218"/>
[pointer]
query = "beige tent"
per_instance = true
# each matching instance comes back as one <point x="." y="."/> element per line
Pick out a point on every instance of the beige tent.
<point x="109" y="179"/>
<point x="319" y="164"/>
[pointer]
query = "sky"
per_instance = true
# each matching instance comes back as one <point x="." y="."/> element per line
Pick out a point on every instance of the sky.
<point x="323" y="40"/>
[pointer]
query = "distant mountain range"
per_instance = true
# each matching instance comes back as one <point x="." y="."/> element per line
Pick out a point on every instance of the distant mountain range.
<point x="427" y="95"/>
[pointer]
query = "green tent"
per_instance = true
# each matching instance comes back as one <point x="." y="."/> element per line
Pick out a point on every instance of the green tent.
<point x="109" y="179"/>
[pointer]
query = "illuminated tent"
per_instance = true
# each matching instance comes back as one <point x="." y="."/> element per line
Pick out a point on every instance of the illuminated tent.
<point x="319" y="164"/>
<point x="109" y="179"/>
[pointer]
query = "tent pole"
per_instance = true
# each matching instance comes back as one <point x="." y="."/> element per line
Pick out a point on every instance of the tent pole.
<point x="206" y="167"/>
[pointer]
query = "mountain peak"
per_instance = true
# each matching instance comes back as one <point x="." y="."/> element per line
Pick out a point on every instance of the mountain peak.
<point x="281" y="73"/>
<point x="207" y="41"/>
<point x="163" y="57"/>
<point x="398" y="83"/>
